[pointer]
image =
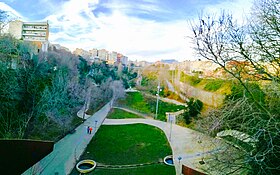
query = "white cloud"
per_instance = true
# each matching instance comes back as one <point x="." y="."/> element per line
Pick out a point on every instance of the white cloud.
<point x="13" y="13"/>
<point x="137" y="38"/>
<point x="75" y="26"/>
<point x="146" y="7"/>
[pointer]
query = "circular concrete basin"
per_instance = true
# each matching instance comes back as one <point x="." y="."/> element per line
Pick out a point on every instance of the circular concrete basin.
<point x="86" y="166"/>
<point x="168" y="160"/>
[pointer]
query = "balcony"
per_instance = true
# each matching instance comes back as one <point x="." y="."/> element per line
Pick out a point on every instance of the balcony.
<point x="34" y="34"/>
<point x="31" y="38"/>
<point x="34" y="27"/>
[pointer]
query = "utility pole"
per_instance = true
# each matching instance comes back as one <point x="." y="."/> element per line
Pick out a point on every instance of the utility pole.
<point x="158" y="89"/>
<point x="95" y="125"/>
<point x="171" y="119"/>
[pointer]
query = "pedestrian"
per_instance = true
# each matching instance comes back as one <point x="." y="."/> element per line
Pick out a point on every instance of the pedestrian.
<point x="90" y="129"/>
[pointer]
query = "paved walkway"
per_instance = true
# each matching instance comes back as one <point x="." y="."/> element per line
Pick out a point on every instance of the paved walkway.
<point x="188" y="144"/>
<point x="68" y="150"/>
<point x="167" y="100"/>
<point x="134" y="112"/>
<point x="131" y="90"/>
<point x="82" y="113"/>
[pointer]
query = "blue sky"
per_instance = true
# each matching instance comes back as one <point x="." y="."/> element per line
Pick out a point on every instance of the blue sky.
<point x="141" y="29"/>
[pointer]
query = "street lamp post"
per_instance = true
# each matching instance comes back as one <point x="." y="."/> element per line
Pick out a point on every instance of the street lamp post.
<point x="158" y="89"/>
<point x="180" y="158"/>
<point x="95" y="126"/>
<point x="171" y="119"/>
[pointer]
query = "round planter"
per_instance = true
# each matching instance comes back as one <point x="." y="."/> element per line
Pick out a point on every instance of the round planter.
<point x="86" y="166"/>
<point x="168" y="160"/>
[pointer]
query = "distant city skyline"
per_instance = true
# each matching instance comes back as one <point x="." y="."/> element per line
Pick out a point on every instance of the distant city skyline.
<point x="149" y="30"/>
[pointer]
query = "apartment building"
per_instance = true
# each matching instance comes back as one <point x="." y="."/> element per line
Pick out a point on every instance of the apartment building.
<point x="83" y="53"/>
<point x="124" y="60"/>
<point x="93" y="53"/>
<point x="113" y="56"/>
<point x="35" y="32"/>
<point x="99" y="55"/>
<point x="103" y="54"/>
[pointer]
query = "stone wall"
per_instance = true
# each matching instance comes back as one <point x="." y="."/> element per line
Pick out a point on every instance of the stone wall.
<point x="208" y="98"/>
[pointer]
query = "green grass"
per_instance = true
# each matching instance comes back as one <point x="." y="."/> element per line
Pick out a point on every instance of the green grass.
<point x="172" y="95"/>
<point x="220" y="86"/>
<point x="146" y="104"/>
<point x="165" y="107"/>
<point x="213" y="85"/>
<point x="192" y="80"/>
<point x="135" y="100"/>
<point x="129" y="144"/>
<point x="121" y="114"/>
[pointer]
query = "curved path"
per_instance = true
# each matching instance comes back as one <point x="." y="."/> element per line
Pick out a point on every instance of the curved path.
<point x="134" y="112"/>
<point x="167" y="100"/>
<point x="68" y="150"/>
<point x="82" y="113"/>
<point x="188" y="144"/>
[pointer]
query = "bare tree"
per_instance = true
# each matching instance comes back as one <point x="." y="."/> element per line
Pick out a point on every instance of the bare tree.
<point x="248" y="53"/>
<point x="101" y="94"/>
<point x="118" y="90"/>
<point x="4" y="20"/>
<point x="36" y="92"/>
<point x="254" y="47"/>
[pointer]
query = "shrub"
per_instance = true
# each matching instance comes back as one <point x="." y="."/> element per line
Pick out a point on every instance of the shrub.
<point x="194" y="80"/>
<point x="213" y="85"/>
<point x="194" y="108"/>
<point x="238" y="91"/>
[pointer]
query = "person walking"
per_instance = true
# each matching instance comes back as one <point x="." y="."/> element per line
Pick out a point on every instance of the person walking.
<point x="90" y="129"/>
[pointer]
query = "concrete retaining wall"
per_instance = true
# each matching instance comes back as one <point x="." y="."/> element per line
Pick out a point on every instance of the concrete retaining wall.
<point x="208" y="98"/>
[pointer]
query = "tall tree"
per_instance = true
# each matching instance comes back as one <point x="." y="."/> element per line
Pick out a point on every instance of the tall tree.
<point x="249" y="53"/>
<point x="4" y="18"/>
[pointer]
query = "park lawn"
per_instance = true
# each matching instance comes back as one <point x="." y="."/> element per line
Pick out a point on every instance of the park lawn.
<point x="146" y="104"/>
<point x="164" y="107"/>
<point x="121" y="114"/>
<point x="129" y="144"/>
<point x="135" y="100"/>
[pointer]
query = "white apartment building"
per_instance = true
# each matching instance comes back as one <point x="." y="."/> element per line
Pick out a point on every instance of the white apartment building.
<point x="113" y="56"/>
<point x="103" y="54"/>
<point x="93" y="53"/>
<point x="35" y="32"/>
<point x="124" y="60"/>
